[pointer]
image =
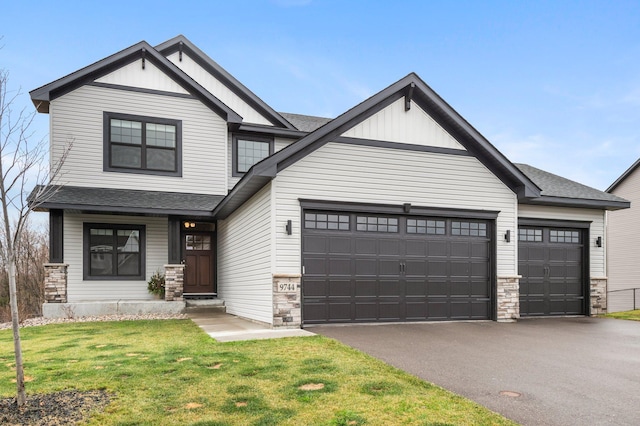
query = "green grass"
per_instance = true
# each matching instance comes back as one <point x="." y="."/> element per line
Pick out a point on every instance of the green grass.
<point x="172" y="373"/>
<point x="628" y="315"/>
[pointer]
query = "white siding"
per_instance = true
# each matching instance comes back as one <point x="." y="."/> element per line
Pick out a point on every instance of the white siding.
<point x="596" y="217"/>
<point x="278" y="144"/>
<point x="397" y="125"/>
<point x="623" y="259"/>
<point x="78" y="116"/>
<point x="148" y="78"/>
<point x="244" y="259"/>
<point x="219" y="90"/>
<point x="343" y="172"/>
<point x="156" y="257"/>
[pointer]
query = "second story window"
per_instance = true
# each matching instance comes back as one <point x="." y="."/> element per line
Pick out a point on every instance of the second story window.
<point x="249" y="150"/>
<point x="138" y="144"/>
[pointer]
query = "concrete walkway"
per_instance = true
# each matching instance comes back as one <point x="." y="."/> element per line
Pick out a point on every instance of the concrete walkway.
<point x="228" y="328"/>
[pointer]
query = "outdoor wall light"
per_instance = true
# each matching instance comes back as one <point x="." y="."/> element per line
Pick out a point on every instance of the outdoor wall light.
<point x="188" y="225"/>
<point x="406" y="207"/>
<point x="289" y="227"/>
<point x="599" y="242"/>
<point x="507" y="236"/>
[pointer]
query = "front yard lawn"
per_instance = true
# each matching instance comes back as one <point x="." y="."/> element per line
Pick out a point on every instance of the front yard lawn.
<point x="169" y="372"/>
<point x="627" y="315"/>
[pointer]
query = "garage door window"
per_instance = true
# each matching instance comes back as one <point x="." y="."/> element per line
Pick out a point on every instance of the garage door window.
<point x="338" y="222"/>
<point x="559" y="236"/>
<point x="473" y="229"/>
<point x="532" y="235"/>
<point x="377" y="224"/>
<point x="423" y="226"/>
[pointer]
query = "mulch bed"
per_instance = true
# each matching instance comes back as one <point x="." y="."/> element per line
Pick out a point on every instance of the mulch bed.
<point x="60" y="408"/>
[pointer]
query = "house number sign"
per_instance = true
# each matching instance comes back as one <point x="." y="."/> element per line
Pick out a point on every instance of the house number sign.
<point x="286" y="287"/>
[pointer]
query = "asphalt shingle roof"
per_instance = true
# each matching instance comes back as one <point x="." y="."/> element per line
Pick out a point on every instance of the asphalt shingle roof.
<point x="127" y="200"/>
<point x="305" y="123"/>
<point x="557" y="186"/>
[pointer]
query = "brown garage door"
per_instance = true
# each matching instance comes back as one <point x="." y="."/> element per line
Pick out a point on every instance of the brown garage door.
<point x="550" y="261"/>
<point x="368" y="268"/>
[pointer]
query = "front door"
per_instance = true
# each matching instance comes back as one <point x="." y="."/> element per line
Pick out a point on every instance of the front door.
<point x="199" y="252"/>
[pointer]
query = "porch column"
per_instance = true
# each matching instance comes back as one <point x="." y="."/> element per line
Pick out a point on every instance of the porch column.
<point x="286" y="301"/>
<point x="173" y="282"/>
<point x="598" y="299"/>
<point x="55" y="282"/>
<point x="508" y="298"/>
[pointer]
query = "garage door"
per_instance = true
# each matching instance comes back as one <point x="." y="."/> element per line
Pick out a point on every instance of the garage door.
<point x="368" y="268"/>
<point x="550" y="261"/>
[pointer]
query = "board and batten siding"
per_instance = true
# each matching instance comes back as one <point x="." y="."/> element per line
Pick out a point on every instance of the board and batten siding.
<point x="596" y="229"/>
<point x="278" y="144"/>
<point x="394" y="124"/>
<point x="78" y="117"/>
<point x="148" y="78"/>
<point x="355" y="173"/>
<point x="623" y="258"/>
<point x="78" y="289"/>
<point x="244" y="259"/>
<point x="216" y="88"/>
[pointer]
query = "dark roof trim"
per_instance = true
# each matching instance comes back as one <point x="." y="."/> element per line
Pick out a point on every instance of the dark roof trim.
<point x="43" y="95"/>
<point x="526" y="221"/>
<point x="45" y="206"/>
<point x="181" y="43"/>
<point x="576" y="202"/>
<point x="403" y="146"/>
<point x="142" y="90"/>
<point x="274" y="131"/>
<point x="470" y="138"/>
<point x="622" y="177"/>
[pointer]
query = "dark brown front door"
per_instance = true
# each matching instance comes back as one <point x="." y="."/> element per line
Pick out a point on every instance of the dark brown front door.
<point x="198" y="249"/>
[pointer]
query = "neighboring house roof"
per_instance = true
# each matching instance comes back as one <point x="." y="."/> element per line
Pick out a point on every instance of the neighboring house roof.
<point x="125" y="200"/>
<point x="42" y="96"/>
<point x="560" y="191"/>
<point x="413" y="89"/>
<point x="305" y="123"/>
<point x="622" y="177"/>
<point x="181" y="44"/>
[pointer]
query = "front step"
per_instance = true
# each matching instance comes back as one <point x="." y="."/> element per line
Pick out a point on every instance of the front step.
<point x="205" y="305"/>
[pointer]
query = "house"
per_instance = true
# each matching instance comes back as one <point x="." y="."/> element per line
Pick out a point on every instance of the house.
<point x="623" y="230"/>
<point x="396" y="210"/>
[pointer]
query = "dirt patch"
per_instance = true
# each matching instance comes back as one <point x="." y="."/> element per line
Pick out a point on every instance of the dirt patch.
<point x="60" y="408"/>
<point x="241" y="404"/>
<point x="192" y="405"/>
<point x="311" y="387"/>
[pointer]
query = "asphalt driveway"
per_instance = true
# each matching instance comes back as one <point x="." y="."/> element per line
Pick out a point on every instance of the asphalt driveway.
<point x="564" y="371"/>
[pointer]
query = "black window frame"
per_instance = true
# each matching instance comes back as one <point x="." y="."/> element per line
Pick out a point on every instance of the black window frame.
<point x="107" y="167"/>
<point x="251" y="138"/>
<point x="86" y="252"/>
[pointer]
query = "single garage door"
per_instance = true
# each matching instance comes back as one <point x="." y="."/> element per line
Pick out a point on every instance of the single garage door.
<point x="369" y="268"/>
<point x="551" y="263"/>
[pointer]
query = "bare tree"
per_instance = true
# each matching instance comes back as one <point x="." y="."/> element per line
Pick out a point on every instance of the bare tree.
<point x="22" y="166"/>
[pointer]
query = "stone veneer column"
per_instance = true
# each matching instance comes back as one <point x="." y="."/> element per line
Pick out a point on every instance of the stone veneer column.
<point x="508" y="298"/>
<point x="173" y="282"/>
<point x="598" y="302"/>
<point x="286" y="301"/>
<point x="55" y="282"/>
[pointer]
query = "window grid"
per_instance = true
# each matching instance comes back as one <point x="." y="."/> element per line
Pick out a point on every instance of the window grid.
<point x="198" y="242"/>
<point x="564" y="236"/>
<point x="531" y="235"/>
<point x="376" y="224"/>
<point x="424" y="226"/>
<point x="114" y="251"/>
<point x="473" y="229"/>
<point x="142" y="144"/>
<point x="250" y="152"/>
<point x="326" y="221"/>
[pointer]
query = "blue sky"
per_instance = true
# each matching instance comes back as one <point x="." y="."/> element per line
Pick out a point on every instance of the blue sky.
<point x="555" y="84"/>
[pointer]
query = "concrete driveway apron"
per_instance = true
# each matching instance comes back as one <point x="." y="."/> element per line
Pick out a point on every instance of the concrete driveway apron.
<point x="560" y="371"/>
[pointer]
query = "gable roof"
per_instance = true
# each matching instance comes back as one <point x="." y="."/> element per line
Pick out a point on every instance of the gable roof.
<point x="305" y="123"/>
<point x="181" y="44"/>
<point x="412" y="88"/>
<point x="560" y="191"/>
<point x="42" y="96"/>
<point x="623" y="176"/>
